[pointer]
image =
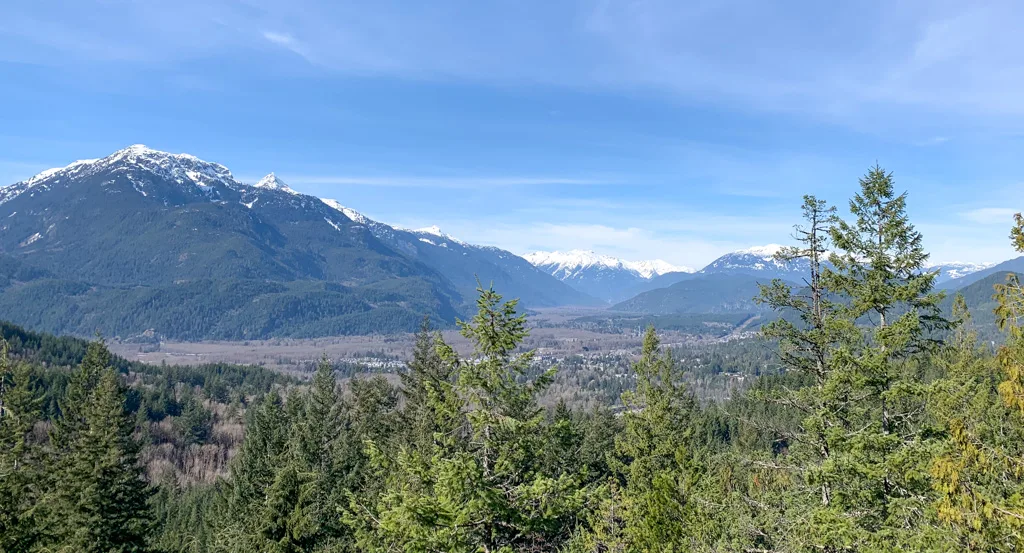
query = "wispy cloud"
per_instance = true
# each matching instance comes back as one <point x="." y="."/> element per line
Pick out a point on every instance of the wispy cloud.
<point x="933" y="141"/>
<point x="440" y="182"/>
<point x="878" y="59"/>
<point x="1002" y="216"/>
<point x="688" y="128"/>
<point x="288" y="42"/>
<point x="279" y="38"/>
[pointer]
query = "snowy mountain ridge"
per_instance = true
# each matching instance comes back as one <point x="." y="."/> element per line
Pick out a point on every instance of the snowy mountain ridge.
<point x="951" y="270"/>
<point x="766" y="251"/>
<point x="570" y="263"/>
<point x="180" y="168"/>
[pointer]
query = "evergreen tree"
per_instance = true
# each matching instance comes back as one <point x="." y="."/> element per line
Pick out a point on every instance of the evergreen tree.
<point x="183" y="515"/>
<point x="808" y="332"/>
<point x="979" y="473"/>
<point x="101" y="497"/>
<point x="561" y="452"/>
<point x="877" y="464"/>
<point x="319" y="436"/>
<point x="240" y="523"/>
<point x="805" y="344"/>
<point x="657" y="457"/>
<point x="22" y="474"/>
<point x="598" y="430"/>
<point x="480" y="487"/>
<point x="80" y="390"/>
<point x="428" y="372"/>
<point x="195" y="423"/>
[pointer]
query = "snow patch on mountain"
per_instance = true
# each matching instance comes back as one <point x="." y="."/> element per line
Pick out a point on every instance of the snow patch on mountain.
<point x="333" y="224"/>
<point x="352" y="214"/>
<point x="436" y="231"/>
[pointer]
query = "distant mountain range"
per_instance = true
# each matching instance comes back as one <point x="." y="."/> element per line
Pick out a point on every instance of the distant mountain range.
<point x="614" y="280"/>
<point x="601" y="276"/>
<point x="148" y="240"/>
<point x="979" y="272"/>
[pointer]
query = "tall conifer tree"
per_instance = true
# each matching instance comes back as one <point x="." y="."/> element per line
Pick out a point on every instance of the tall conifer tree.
<point x="101" y="497"/>
<point x="22" y="472"/>
<point x="877" y="460"/>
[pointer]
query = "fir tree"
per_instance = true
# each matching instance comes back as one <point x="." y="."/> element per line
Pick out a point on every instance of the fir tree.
<point x="480" y="486"/>
<point x="876" y="469"/>
<point x="427" y="374"/>
<point x="101" y="495"/>
<point x="319" y="436"/>
<point x="240" y="523"/>
<point x="809" y="330"/>
<point x="658" y="459"/>
<point x="22" y="473"/>
<point x="195" y="423"/>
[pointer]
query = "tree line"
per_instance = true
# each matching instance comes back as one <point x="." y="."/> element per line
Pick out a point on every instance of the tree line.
<point x="890" y="429"/>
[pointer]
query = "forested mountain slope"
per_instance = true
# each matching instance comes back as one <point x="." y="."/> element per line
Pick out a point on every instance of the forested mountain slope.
<point x="143" y="239"/>
<point x="723" y="293"/>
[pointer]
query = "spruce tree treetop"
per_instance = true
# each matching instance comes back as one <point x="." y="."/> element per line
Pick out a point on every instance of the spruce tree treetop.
<point x="881" y="264"/>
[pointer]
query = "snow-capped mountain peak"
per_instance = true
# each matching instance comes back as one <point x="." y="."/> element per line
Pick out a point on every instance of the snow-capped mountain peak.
<point x="180" y="168"/>
<point x="601" y="276"/>
<point x="177" y="166"/>
<point x="573" y="261"/>
<point x="758" y="260"/>
<point x="656" y="267"/>
<point x="272" y="182"/>
<point x="433" y="229"/>
<point x="768" y="250"/>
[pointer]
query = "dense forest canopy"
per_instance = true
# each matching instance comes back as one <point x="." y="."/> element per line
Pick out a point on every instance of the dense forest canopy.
<point x="888" y="429"/>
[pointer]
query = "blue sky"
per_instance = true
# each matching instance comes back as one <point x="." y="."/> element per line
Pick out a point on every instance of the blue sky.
<point x="641" y="129"/>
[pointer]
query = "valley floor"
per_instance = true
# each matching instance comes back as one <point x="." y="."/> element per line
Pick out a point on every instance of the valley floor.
<point x="379" y="351"/>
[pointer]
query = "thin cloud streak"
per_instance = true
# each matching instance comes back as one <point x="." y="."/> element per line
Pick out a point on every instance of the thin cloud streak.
<point x="288" y="42"/>
<point x="440" y="182"/>
<point x="899" y="63"/>
<point x="278" y="38"/>
<point x="1002" y="216"/>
